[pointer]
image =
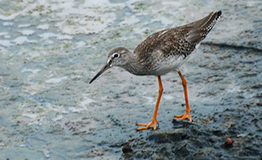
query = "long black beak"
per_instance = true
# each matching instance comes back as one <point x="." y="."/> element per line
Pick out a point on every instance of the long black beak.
<point x="107" y="66"/>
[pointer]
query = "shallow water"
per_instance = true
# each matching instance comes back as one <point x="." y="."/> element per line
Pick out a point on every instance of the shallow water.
<point x="51" y="49"/>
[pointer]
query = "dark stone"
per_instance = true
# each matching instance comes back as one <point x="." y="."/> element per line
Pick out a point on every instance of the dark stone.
<point x="126" y="149"/>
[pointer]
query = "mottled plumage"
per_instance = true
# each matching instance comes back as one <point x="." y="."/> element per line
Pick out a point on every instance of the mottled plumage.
<point x="163" y="52"/>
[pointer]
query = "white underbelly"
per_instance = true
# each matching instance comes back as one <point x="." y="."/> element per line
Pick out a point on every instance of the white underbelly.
<point x="169" y="65"/>
<point x="172" y="63"/>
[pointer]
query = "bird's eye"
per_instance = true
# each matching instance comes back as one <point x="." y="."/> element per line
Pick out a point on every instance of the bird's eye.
<point x="115" y="55"/>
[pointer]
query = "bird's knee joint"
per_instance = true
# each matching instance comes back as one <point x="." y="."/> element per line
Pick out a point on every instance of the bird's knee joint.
<point x="160" y="90"/>
<point x="184" y="83"/>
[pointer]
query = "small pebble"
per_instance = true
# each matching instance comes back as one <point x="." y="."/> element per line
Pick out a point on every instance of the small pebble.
<point x="229" y="142"/>
<point x="126" y="149"/>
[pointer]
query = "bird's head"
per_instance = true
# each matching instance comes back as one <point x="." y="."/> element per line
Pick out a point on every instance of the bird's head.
<point x="117" y="57"/>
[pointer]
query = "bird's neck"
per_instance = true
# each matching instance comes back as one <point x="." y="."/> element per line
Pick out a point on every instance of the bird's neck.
<point x="132" y="65"/>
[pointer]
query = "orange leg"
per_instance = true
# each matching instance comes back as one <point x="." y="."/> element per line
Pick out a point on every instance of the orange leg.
<point x="187" y="113"/>
<point x="154" y="120"/>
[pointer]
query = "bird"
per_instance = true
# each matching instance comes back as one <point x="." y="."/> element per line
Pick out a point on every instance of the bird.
<point x="162" y="52"/>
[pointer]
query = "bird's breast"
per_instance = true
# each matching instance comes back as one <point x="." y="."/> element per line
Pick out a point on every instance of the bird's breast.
<point x="156" y="65"/>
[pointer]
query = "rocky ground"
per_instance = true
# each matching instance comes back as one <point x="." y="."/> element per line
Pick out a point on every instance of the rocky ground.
<point x="51" y="50"/>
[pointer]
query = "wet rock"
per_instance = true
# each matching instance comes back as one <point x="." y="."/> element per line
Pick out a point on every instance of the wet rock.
<point x="127" y="149"/>
<point x="47" y="105"/>
<point x="181" y="150"/>
<point x="166" y="137"/>
<point x="229" y="142"/>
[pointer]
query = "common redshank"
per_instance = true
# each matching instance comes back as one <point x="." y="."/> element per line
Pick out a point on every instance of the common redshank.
<point x="163" y="52"/>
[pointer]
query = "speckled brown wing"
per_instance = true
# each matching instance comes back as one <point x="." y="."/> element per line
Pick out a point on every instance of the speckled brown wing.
<point x="179" y="41"/>
<point x="202" y="27"/>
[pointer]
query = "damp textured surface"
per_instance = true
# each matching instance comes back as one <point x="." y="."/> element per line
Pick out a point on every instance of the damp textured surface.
<point x="50" y="50"/>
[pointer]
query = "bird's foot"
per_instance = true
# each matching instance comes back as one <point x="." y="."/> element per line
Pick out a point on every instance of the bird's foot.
<point x="186" y="115"/>
<point x="146" y="126"/>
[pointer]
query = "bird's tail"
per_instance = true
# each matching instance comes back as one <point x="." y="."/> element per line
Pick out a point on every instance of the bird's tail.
<point x="202" y="27"/>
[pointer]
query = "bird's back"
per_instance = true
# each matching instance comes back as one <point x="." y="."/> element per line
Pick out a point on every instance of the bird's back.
<point x="174" y="43"/>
